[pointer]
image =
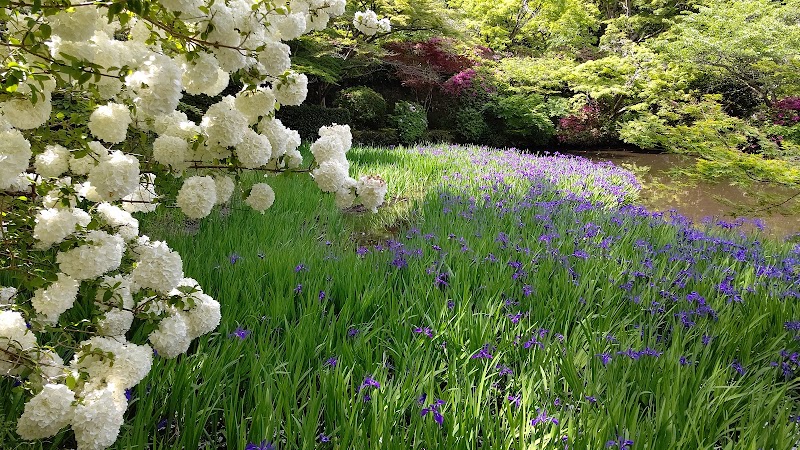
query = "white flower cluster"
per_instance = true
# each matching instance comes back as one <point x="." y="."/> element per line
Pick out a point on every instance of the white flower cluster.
<point x="368" y="23"/>
<point x="261" y="197"/>
<point x="332" y="173"/>
<point x="93" y="186"/>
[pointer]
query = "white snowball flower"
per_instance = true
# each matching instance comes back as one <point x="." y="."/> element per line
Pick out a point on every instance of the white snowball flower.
<point x="225" y="187"/>
<point x="330" y="148"/>
<point x="52" y="301"/>
<point x="116" y="176"/>
<point x="127" y="226"/>
<point x="173" y="152"/>
<point x="115" y="322"/>
<point x="342" y="132"/>
<point x="224" y="124"/>
<point x="186" y="7"/>
<point x="336" y="7"/>
<point x="317" y="20"/>
<point x="367" y="22"/>
<point x="255" y="103"/>
<point x="15" y="154"/>
<point x="204" y="317"/>
<point x="76" y="24"/>
<point x="254" y="150"/>
<point x="371" y="191"/>
<point x="46" y="413"/>
<point x="346" y="195"/>
<point x="22" y="183"/>
<point x="159" y="268"/>
<point x="15" y="337"/>
<point x="82" y="165"/>
<point x="54" y="225"/>
<point x="281" y="138"/>
<point x="156" y="86"/>
<point x="53" y="162"/>
<point x="275" y="57"/>
<point x="120" y="295"/>
<point x="110" y="122"/>
<point x="23" y="114"/>
<point x="6" y="294"/>
<point x="129" y="364"/>
<point x="171" y="338"/>
<point x="212" y="152"/>
<point x="197" y="197"/>
<point x="143" y="197"/>
<point x="261" y="197"/>
<point x="292" y="90"/>
<point x="291" y="26"/>
<point x="330" y="176"/>
<point x="51" y="368"/>
<point x="102" y="253"/>
<point x="294" y="159"/>
<point x="55" y="198"/>
<point x="98" y="418"/>
<point x="384" y="25"/>
<point x="176" y="124"/>
<point x="213" y="90"/>
<point x="200" y="73"/>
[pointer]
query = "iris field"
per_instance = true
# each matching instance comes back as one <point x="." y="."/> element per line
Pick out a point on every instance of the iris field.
<point x="499" y="301"/>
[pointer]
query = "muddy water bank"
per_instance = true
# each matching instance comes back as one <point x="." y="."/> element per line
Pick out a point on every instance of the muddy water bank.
<point x="666" y="188"/>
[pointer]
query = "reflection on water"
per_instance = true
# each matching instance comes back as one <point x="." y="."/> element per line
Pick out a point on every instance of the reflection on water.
<point x="665" y="189"/>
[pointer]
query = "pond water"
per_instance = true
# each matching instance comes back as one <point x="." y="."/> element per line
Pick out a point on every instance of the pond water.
<point x="665" y="188"/>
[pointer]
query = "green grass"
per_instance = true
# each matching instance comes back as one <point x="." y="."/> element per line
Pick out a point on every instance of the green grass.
<point x="275" y="384"/>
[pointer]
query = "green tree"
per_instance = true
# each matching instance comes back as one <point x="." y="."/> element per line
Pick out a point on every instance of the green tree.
<point x="531" y="26"/>
<point x="751" y="42"/>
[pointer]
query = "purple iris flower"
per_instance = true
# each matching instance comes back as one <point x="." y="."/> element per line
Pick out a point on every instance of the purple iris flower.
<point x="434" y="410"/>
<point x="264" y="445"/>
<point x="240" y="333"/>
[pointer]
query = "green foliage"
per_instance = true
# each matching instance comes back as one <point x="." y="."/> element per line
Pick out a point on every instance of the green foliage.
<point x="528" y="116"/>
<point x="384" y="137"/>
<point x="754" y="42"/>
<point x="307" y="119"/>
<point x="438" y="136"/>
<point x="531" y="26"/>
<point x="471" y="124"/>
<point x="411" y="121"/>
<point x="367" y="107"/>
<point x="525" y="75"/>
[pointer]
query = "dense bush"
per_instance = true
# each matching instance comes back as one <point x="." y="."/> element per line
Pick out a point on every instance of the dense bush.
<point x="307" y="119"/>
<point x="526" y="116"/>
<point x="424" y="66"/>
<point x="471" y="125"/>
<point x="587" y="127"/>
<point x="367" y="107"/>
<point x="438" y="136"/>
<point x="379" y="138"/>
<point x="411" y="121"/>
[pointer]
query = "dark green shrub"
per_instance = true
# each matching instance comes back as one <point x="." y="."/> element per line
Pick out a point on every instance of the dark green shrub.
<point x="367" y="107"/>
<point x="384" y="137"/>
<point x="411" y="121"/>
<point x="471" y="124"/>
<point x="526" y="116"/>
<point x="438" y="136"/>
<point x="307" y="119"/>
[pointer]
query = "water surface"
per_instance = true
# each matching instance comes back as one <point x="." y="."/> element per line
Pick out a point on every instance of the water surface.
<point x="664" y="188"/>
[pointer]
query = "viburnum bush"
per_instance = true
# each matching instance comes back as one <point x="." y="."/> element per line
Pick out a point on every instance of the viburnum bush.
<point x="89" y="130"/>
